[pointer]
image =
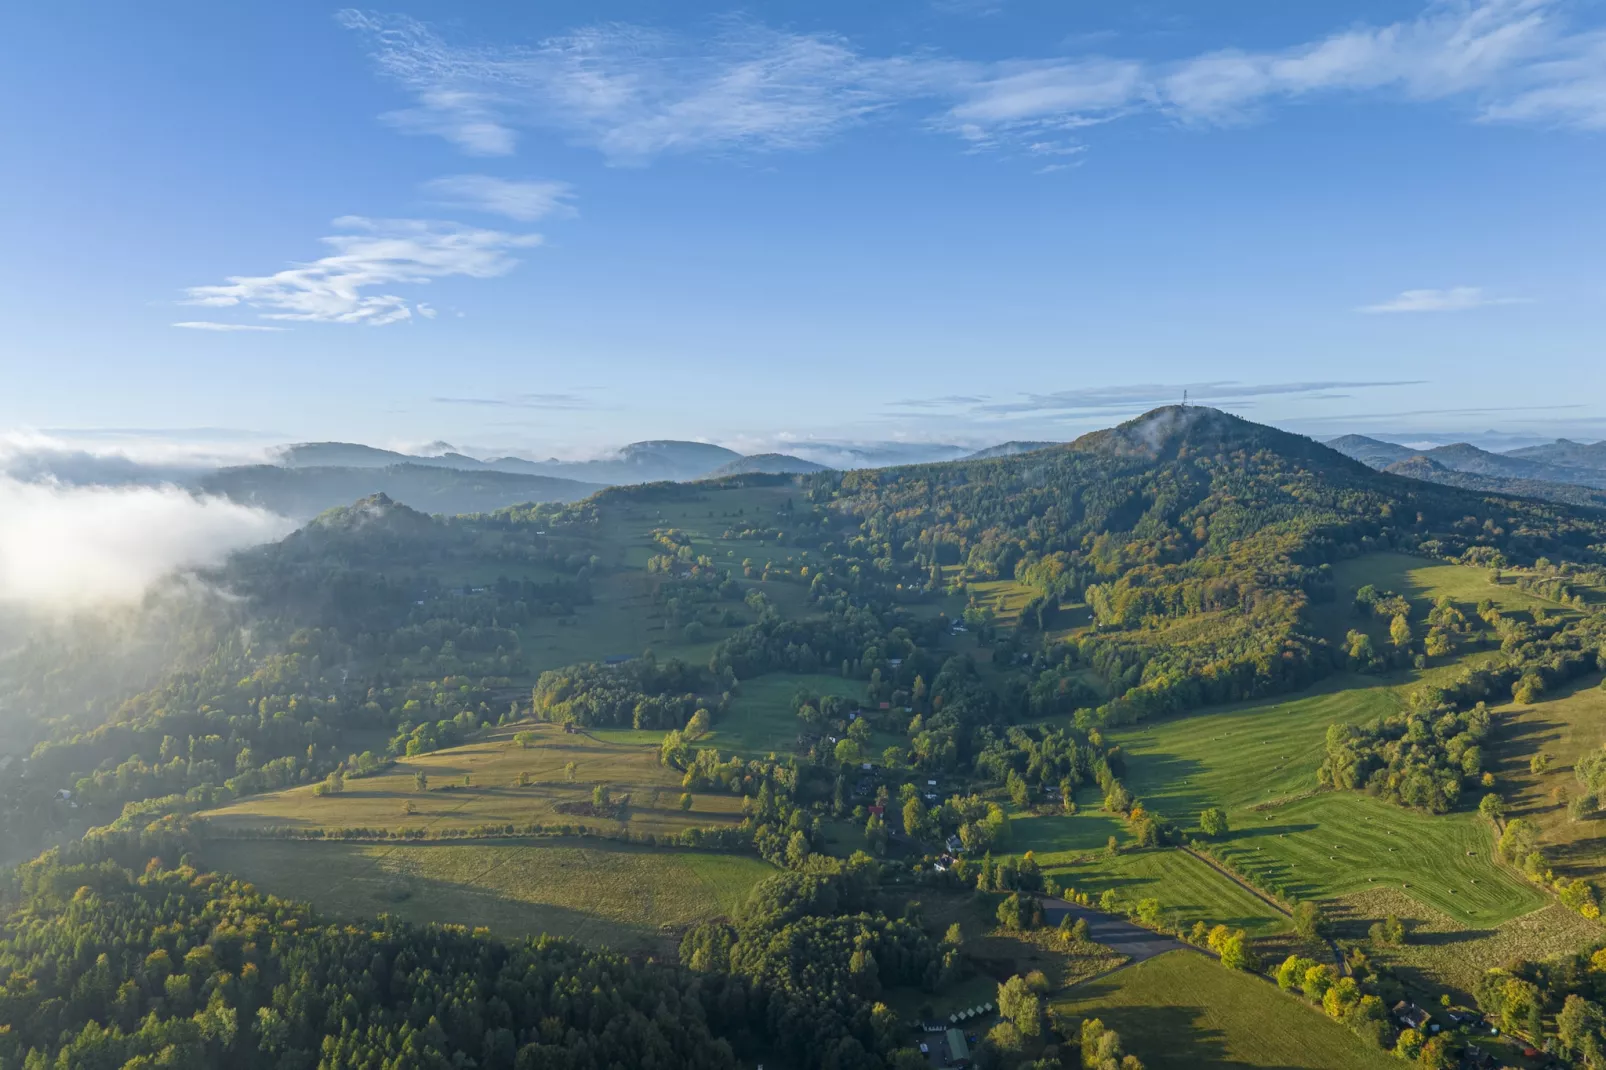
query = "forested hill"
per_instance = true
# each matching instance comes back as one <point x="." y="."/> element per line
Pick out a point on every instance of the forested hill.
<point x="1199" y="541"/>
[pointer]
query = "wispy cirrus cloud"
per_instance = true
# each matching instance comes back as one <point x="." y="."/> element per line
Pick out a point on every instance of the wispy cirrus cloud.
<point x="373" y="254"/>
<point x="1454" y="299"/>
<point x="634" y="93"/>
<point x="209" y="325"/>
<point x="1104" y="399"/>
<point x="523" y="401"/>
<point x="525" y="201"/>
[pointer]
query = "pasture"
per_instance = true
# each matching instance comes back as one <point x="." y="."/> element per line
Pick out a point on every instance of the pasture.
<point x="760" y="719"/>
<point x="1184" y="1010"/>
<point x="1422" y="582"/>
<point x="1444" y="955"/>
<point x="1564" y="728"/>
<point x="1337" y="842"/>
<point x="1188" y="890"/>
<point x="493" y="795"/>
<point x="600" y="893"/>
<point x="1258" y="762"/>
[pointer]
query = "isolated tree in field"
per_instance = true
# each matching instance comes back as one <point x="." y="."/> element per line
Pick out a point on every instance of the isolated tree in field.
<point x="409" y="807"/>
<point x="1308" y="921"/>
<point x="523" y="779"/>
<point x="1018" y="1003"/>
<point x="685" y="801"/>
<point x="468" y="779"/>
<point x="1539" y="763"/>
<point x="420" y="781"/>
<point x="569" y="769"/>
<point x="1213" y="822"/>
<point x="524" y="740"/>
<point x="1400" y="631"/>
<point x="599" y="795"/>
<point x="1390" y="932"/>
<point x="1491" y="807"/>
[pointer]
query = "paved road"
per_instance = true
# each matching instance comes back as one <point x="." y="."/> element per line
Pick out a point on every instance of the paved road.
<point x="1115" y="933"/>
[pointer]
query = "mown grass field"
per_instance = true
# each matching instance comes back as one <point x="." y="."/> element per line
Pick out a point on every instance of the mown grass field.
<point x="600" y="893"/>
<point x="1339" y="842"/>
<point x="1184" y="1010"/>
<point x="1259" y="763"/>
<point x="1564" y="727"/>
<point x="493" y="795"/>
<point x="1188" y="890"/>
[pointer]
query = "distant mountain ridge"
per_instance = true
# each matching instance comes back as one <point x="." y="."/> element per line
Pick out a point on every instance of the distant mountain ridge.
<point x="766" y="464"/>
<point x="304" y="492"/>
<point x="1008" y="449"/>
<point x="1566" y="453"/>
<point x="1372" y="451"/>
<point x="1426" y="468"/>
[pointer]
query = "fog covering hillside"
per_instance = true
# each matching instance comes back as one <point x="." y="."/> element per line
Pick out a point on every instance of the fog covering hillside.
<point x="304" y="492"/>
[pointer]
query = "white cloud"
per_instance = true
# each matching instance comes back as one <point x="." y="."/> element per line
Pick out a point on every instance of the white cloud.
<point x="68" y="547"/>
<point x="523" y="201"/>
<point x="378" y="253"/>
<point x="1454" y="299"/>
<point x="634" y="93"/>
<point x="208" y="325"/>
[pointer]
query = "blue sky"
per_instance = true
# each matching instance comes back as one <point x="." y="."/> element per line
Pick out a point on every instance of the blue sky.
<point x="571" y="225"/>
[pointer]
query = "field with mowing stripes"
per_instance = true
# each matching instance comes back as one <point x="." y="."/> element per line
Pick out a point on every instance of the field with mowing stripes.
<point x="600" y="893"/>
<point x="1183" y="1010"/>
<point x="1339" y="842"/>
<point x="1187" y="889"/>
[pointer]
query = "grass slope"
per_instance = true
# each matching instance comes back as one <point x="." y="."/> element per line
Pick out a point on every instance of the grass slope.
<point x="1183" y="1010"/>
<point x="493" y="796"/>
<point x="596" y="892"/>
<point x="1565" y="727"/>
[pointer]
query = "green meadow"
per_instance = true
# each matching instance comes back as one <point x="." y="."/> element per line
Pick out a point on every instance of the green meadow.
<point x="1183" y="1010"/>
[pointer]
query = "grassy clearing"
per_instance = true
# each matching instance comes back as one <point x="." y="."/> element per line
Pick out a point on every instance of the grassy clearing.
<point x="1188" y="890"/>
<point x="599" y="893"/>
<point x="760" y="719"/>
<point x="1566" y="727"/>
<point x="493" y="795"/>
<point x="1264" y="755"/>
<point x="1003" y="598"/>
<point x="1184" y="1010"/>
<point x="1339" y="842"/>
<point x="1444" y="955"/>
<point x="1423" y="582"/>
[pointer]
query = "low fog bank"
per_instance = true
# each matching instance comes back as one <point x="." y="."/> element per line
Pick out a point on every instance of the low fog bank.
<point x="66" y="547"/>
